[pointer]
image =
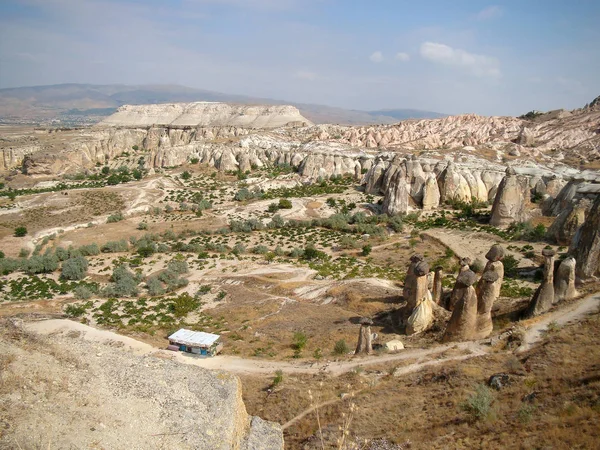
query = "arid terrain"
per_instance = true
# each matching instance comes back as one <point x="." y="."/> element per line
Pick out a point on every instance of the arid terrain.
<point x="290" y="240"/>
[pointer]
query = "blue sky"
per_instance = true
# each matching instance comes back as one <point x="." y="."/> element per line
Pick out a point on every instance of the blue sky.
<point x="494" y="58"/>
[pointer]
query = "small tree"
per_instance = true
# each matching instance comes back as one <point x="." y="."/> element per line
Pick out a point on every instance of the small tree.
<point x="20" y="231"/>
<point x="366" y="250"/>
<point x="74" y="268"/>
<point x="186" y="175"/>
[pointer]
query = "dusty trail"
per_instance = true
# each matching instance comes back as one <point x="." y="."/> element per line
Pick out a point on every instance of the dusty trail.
<point x="563" y="316"/>
<point x="424" y="357"/>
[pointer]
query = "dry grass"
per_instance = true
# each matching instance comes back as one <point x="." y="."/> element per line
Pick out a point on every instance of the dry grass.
<point x="552" y="400"/>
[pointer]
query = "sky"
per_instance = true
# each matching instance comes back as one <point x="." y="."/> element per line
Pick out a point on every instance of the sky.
<point x="459" y="56"/>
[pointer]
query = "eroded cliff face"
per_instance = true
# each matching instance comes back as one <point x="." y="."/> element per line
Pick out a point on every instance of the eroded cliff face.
<point x="577" y="129"/>
<point x="206" y="114"/>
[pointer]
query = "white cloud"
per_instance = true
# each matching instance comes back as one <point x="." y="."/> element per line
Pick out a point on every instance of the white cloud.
<point x="401" y="56"/>
<point x="490" y="12"/>
<point x="376" y="57"/>
<point x="306" y="75"/>
<point x="479" y="65"/>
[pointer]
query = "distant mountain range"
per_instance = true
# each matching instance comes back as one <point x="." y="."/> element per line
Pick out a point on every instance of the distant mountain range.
<point x="91" y="101"/>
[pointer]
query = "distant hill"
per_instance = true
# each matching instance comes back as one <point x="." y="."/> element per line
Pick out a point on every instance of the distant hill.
<point x="43" y="103"/>
<point x="403" y="114"/>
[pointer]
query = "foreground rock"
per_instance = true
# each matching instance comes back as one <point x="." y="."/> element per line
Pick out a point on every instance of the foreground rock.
<point x="422" y="314"/>
<point x="544" y="296"/>
<point x="55" y="397"/>
<point x="488" y="291"/>
<point x="461" y="326"/>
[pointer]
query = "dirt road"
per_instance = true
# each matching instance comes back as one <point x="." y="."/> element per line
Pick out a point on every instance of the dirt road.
<point x="416" y="358"/>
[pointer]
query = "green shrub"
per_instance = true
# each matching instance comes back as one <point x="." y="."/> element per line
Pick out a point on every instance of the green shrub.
<point x="82" y="293"/>
<point x="277" y="379"/>
<point x="511" y="265"/>
<point x="61" y="253"/>
<point x="178" y="267"/>
<point x="74" y="310"/>
<point x="115" y="218"/>
<point x="299" y="340"/>
<point x="366" y="250"/>
<point x="20" y="231"/>
<point x="74" y="268"/>
<point x="203" y="290"/>
<point x="89" y="250"/>
<point x="142" y="226"/>
<point x="42" y="264"/>
<point x="154" y="286"/>
<point x="194" y="160"/>
<point x="479" y="404"/>
<point x="115" y="246"/>
<point x="1" y="254"/>
<point x="24" y="253"/>
<point x="124" y="283"/>
<point x="284" y="203"/>
<point x="341" y="348"/>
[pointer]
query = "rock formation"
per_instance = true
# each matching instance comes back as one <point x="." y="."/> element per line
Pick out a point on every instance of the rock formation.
<point x="511" y="201"/>
<point x="420" y="302"/>
<point x="462" y="324"/>
<point x="206" y="114"/>
<point x="544" y="296"/>
<point x="438" y="289"/>
<point x="586" y="244"/>
<point x="565" y="226"/>
<point x="488" y="291"/>
<point x="410" y="279"/>
<point x="365" y="338"/>
<point x="396" y="196"/>
<point x="564" y="280"/>
<point x="455" y="294"/>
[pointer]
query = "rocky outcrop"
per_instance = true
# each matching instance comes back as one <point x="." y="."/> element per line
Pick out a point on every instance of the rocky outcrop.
<point x="438" y="289"/>
<point x="512" y="200"/>
<point x="462" y="324"/>
<point x="488" y="291"/>
<point x="206" y="114"/>
<point x="115" y="395"/>
<point x="365" y="337"/>
<point x="586" y="244"/>
<point x="544" y="296"/>
<point x="565" y="226"/>
<point x="420" y="301"/>
<point x="395" y="200"/>
<point x="408" y="292"/>
<point x="564" y="280"/>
